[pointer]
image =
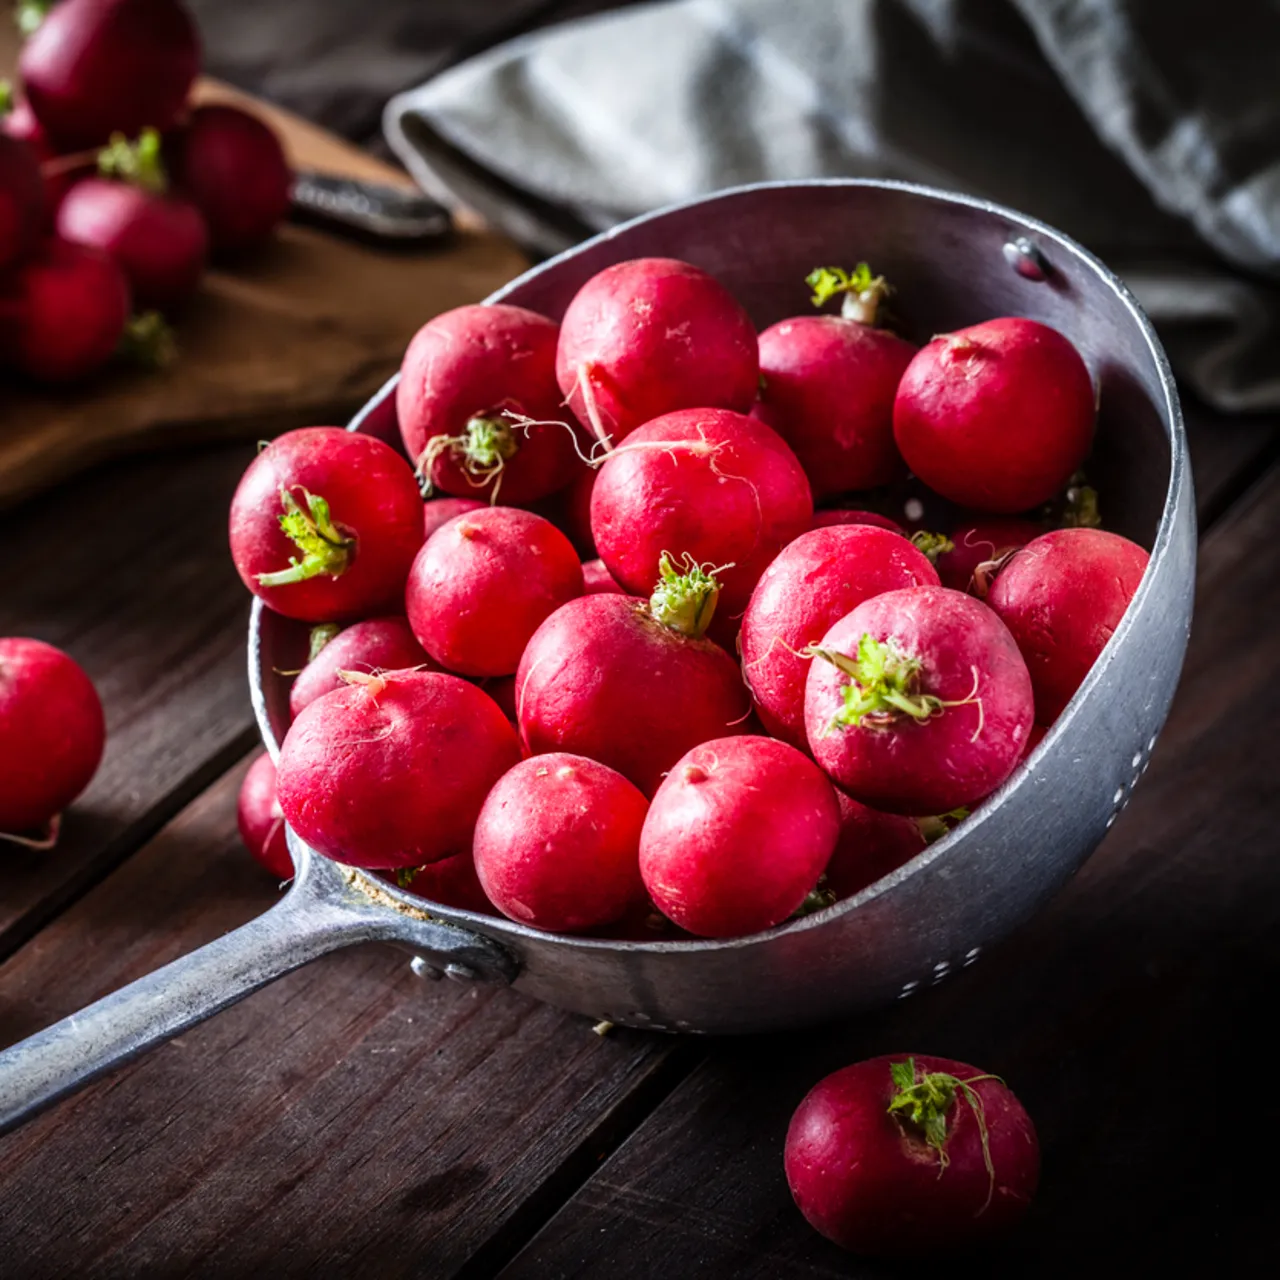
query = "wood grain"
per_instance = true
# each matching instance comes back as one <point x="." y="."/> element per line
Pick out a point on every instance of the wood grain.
<point x="1127" y="1016"/>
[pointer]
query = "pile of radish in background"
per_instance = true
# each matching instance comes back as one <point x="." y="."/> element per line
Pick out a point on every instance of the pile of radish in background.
<point x="116" y="191"/>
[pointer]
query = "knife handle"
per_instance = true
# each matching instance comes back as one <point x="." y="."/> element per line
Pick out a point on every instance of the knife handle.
<point x="368" y="210"/>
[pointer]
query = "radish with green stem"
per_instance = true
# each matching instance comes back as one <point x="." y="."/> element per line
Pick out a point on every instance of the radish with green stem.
<point x="325" y="524"/>
<point x="737" y="836"/>
<point x="646" y="337"/>
<point x="905" y="1157"/>
<point x="261" y="820"/>
<point x="479" y="409"/>
<point x="811" y="584"/>
<point x="370" y="646"/>
<point x="630" y="683"/>
<point x="918" y="701"/>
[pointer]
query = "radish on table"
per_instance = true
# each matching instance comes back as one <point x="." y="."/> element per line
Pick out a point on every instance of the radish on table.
<point x="261" y="820"/>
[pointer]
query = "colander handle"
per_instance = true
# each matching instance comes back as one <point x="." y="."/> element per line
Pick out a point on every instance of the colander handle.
<point x="325" y="910"/>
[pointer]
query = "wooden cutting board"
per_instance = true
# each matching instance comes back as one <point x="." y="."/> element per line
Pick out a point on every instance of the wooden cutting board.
<point x="301" y="335"/>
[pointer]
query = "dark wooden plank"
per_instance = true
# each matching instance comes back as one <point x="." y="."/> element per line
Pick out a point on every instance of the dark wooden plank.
<point x="1228" y="454"/>
<point x="128" y="570"/>
<point x="1127" y="1016"/>
<point x="350" y="1120"/>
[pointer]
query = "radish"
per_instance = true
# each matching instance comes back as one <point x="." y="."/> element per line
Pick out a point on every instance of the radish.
<point x="714" y="485"/>
<point x="502" y="689"/>
<point x="997" y="416"/>
<point x="813" y="583"/>
<point x="649" y="336"/>
<point x="66" y="313"/>
<point x="737" y="836"/>
<point x="630" y="684"/>
<point x="22" y="200"/>
<point x="57" y="173"/>
<point x="848" y="515"/>
<point x="871" y="844"/>
<point x="905" y="1156"/>
<point x="371" y="646"/>
<point x="325" y="524"/>
<point x="596" y="578"/>
<point x="261" y="820"/>
<point x="97" y="67"/>
<point x="484" y="583"/>
<point x="576" y="511"/>
<point x="920" y="702"/>
<point x="159" y="239"/>
<point x="452" y="882"/>
<point x="479" y="408"/>
<point x="51" y="738"/>
<point x="441" y="510"/>
<point x="557" y="842"/>
<point x="977" y="549"/>
<point x="232" y="166"/>
<point x="392" y="770"/>
<point x="1062" y="596"/>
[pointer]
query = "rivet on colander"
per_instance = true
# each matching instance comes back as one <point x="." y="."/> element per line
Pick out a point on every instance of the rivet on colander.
<point x="1027" y="259"/>
<point x="459" y="973"/>
<point x="971" y="955"/>
<point x="424" y="969"/>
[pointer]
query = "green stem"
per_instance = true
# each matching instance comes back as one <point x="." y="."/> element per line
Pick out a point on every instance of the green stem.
<point x="686" y="594"/>
<point x="6" y="97"/>
<point x="138" y="162"/>
<point x="1081" y="505"/>
<point x="882" y="684"/>
<point x="321" y="634"/>
<point x="148" y="341"/>
<point x="932" y="545"/>
<point x="326" y="550"/>
<point x="863" y="292"/>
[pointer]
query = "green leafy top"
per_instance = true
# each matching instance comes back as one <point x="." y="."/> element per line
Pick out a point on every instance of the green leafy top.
<point x="882" y="684"/>
<point x="29" y="14"/>
<point x="686" y="594"/>
<point x="148" y="341"/>
<point x="138" y="162"/>
<point x="326" y="550"/>
<point x="6" y="97"/>
<point x="863" y="292"/>
<point x="932" y="545"/>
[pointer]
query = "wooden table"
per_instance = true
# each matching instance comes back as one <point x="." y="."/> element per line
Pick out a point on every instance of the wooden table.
<point x="355" y="1120"/>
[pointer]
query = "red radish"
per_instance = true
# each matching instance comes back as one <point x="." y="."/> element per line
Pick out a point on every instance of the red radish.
<point x="596" y="579"/>
<point x="978" y="547"/>
<point x="905" y="1156"/>
<point x="22" y="200"/>
<point x="158" y="238"/>
<point x="717" y="486"/>
<point x="231" y="165"/>
<point x="812" y="584"/>
<point x="392" y="771"/>
<point x="97" y="67"/>
<point x="557" y="842"/>
<point x="632" y="685"/>
<point x="67" y="313"/>
<point x="325" y="524"/>
<point x="58" y="173"/>
<point x="452" y="882"/>
<point x="484" y="583"/>
<point x="871" y="845"/>
<point x="479" y="408"/>
<point x="441" y="510"/>
<point x="261" y="819"/>
<point x="649" y="336"/>
<point x="846" y="515"/>
<point x="576" y="512"/>
<point x="502" y="689"/>
<point x="51" y="737"/>
<point x="1062" y="596"/>
<point x="737" y="836"/>
<point x="376" y="644"/>
<point x="920" y="702"/>
<point x="997" y="416"/>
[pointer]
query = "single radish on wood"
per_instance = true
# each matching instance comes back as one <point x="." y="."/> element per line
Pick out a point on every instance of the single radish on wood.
<point x="737" y="836"/>
<point x="978" y="547"/>
<point x="903" y="1157"/>
<point x="649" y="336"/>
<point x="1062" y="597"/>
<point x="261" y="820"/>
<point x="996" y="417"/>
<point x="918" y="701"/>
<point x="325" y="524"/>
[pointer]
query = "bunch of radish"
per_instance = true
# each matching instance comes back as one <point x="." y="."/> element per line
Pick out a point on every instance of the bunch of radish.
<point x="116" y="190"/>
<point x="617" y="675"/>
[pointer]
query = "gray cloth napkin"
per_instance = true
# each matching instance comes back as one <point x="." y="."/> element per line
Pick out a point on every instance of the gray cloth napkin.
<point x="1147" y="129"/>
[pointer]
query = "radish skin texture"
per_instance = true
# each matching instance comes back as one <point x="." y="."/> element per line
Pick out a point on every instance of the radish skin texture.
<point x="813" y="583"/>
<point x="22" y="200"/>
<point x="392" y="772"/>
<point x="601" y="678"/>
<point x="828" y="386"/>
<point x="441" y="510"/>
<point x="958" y="664"/>
<point x="871" y="844"/>
<point x="261" y="820"/>
<point x="97" y="67"/>
<point x="596" y="579"/>
<point x="557" y="844"/>
<point x="982" y="542"/>
<point x="52" y="733"/>
<point x="649" y="336"/>
<point x="708" y="483"/>
<point x="848" y="515"/>
<point x="373" y="502"/>
<point x="451" y="882"/>
<point x="996" y="417"/>
<point x="479" y="365"/>
<point x="737" y="836"/>
<point x="1062" y="597"/>
<point x="484" y="583"/>
<point x="869" y="1180"/>
<point x="371" y="646"/>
